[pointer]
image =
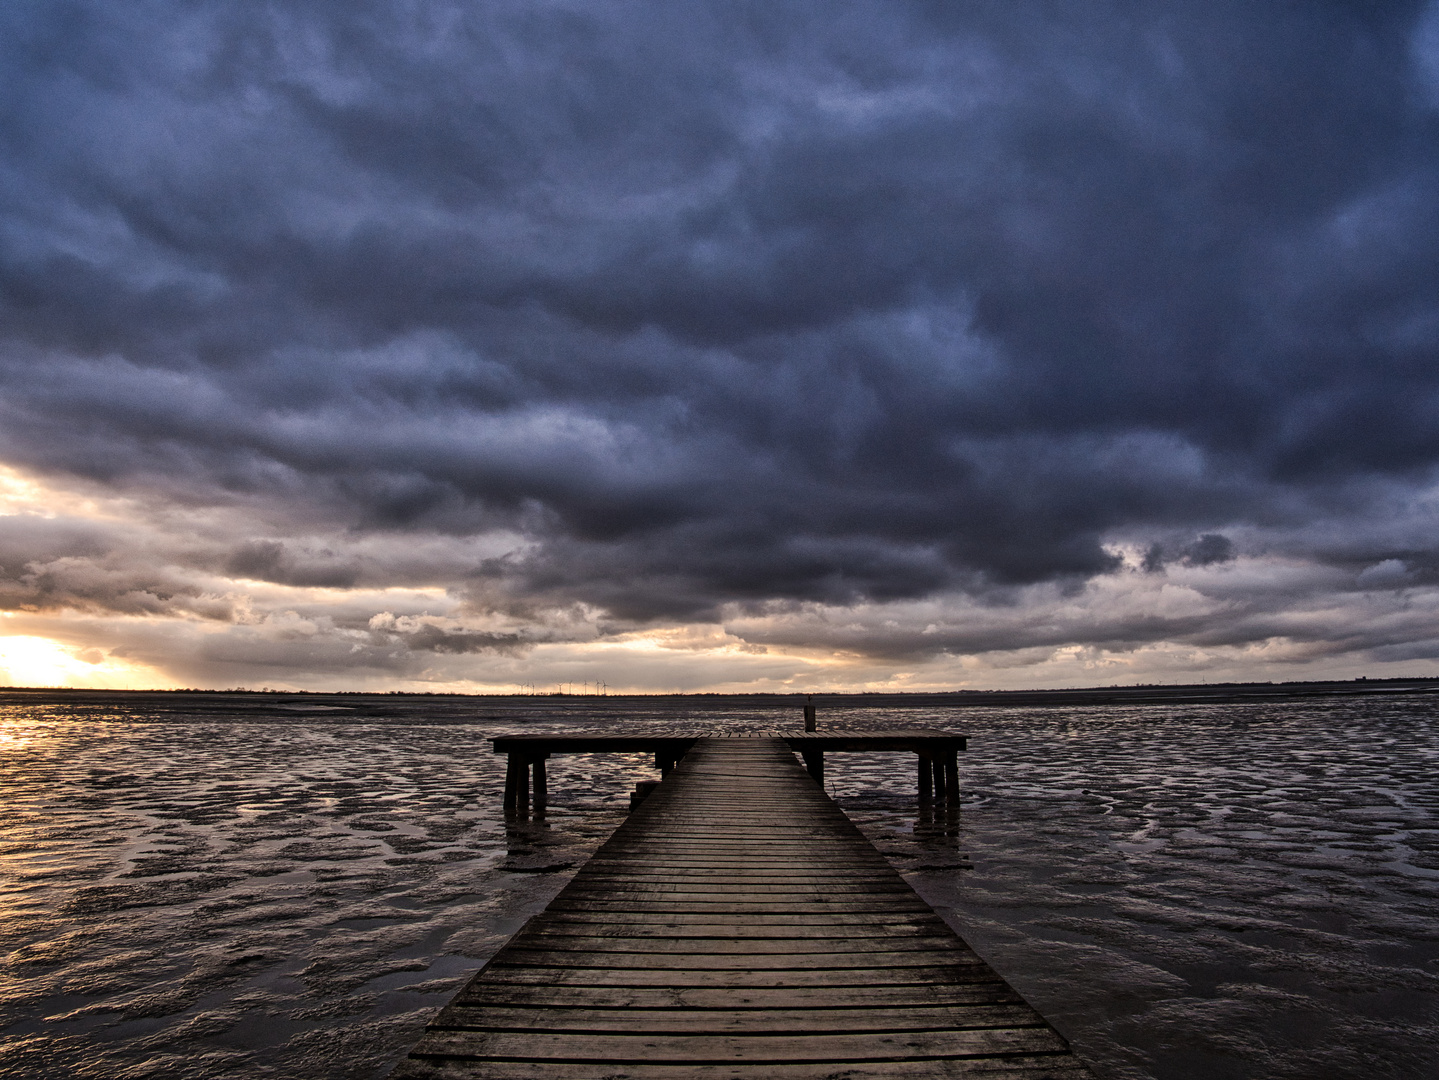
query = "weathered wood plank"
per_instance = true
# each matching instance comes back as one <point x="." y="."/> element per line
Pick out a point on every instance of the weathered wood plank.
<point x="681" y="924"/>
<point x="849" y="952"/>
<point x="637" y="1021"/>
<point x="753" y="960"/>
<point x="736" y="931"/>
<point x="765" y="939"/>
<point x="842" y="1000"/>
<point x="709" y="868"/>
<point x="770" y="900"/>
<point x="820" y="906"/>
<point x="835" y="1048"/>
<point x="619" y="886"/>
<point x="1017" y="1067"/>
<point x="535" y="975"/>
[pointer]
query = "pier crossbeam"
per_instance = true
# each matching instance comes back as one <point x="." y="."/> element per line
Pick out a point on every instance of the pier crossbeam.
<point x="738" y="926"/>
<point x="937" y="770"/>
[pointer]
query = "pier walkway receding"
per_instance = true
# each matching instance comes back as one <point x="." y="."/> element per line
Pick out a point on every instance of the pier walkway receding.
<point x="738" y="926"/>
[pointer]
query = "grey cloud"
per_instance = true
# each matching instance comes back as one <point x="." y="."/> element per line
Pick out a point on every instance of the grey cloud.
<point x="25" y="538"/>
<point x="785" y="303"/>
<point x="1207" y="550"/>
<point x="270" y="560"/>
<point x="49" y="564"/>
<point x="440" y="640"/>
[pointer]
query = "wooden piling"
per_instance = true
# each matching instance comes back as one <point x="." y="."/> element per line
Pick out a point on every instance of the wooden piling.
<point x="511" y="781"/>
<point x="951" y="778"/>
<point x="814" y="763"/>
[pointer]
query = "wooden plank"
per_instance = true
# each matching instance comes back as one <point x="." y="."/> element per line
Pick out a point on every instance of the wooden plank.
<point x="664" y="928"/>
<point x="642" y="879"/>
<point x="694" y="935"/>
<point x="779" y="1021"/>
<point x="1016" y="1067"/>
<point x="703" y="855"/>
<point x="820" y="906"/>
<point x="930" y="944"/>
<point x="744" y="884"/>
<point x="843" y="1001"/>
<point x="835" y="1048"/>
<point x="739" y="926"/>
<point x="534" y="975"/>
<point x="742" y="925"/>
<point x="765" y="924"/>
<point x="722" y="875"/>
<point x="755" y="961"/>
<point x="680" y="892"/>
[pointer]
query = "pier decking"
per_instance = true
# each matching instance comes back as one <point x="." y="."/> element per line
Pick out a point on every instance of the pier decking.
<point x="738" y="926"/>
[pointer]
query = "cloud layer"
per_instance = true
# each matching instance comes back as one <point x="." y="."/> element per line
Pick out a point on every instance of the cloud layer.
<point x="548" y="325"/>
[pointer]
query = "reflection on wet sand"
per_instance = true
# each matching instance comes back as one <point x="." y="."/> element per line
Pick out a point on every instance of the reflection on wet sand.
<point x="936" y="821"/>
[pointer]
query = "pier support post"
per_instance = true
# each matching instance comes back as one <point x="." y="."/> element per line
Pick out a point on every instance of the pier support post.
<point x="926" y="778"/>
<point x="517" y="783"/>
<point x="542" y="790"/>
<point x="951" y="778"/>
<point x="664" y="762"/>
<point x="511" y="781"/>
<point x="809" y="718"/>
<point x="814" y="762"/>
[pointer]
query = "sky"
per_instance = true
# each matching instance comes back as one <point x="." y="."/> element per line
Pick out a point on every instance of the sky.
<point x="737" y="346"/>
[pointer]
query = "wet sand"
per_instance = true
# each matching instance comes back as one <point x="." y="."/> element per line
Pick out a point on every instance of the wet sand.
<point x="254" y="887"/>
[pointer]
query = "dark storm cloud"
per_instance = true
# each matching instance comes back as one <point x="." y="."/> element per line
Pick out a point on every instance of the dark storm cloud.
<point x="1207" y="550"/>
<point x="735" y="303"/>
<point x="270" y="560"/>
<point x="437" y="639"/>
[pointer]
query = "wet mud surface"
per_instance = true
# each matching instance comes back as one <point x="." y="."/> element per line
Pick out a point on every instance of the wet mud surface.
<point x="1203" y="893"/>
<point x="293" y="889"/>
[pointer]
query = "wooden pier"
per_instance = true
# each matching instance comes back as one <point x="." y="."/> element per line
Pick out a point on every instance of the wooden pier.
<point x="738" y="926"/>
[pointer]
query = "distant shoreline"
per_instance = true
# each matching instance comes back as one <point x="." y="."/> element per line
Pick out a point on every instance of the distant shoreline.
<point x="1176" y="694"/>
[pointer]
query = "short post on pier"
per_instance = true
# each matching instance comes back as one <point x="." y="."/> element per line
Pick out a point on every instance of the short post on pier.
<point x="809" y="720"/>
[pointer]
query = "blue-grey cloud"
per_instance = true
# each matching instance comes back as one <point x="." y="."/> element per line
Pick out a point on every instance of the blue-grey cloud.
<point x="729" y="304"/>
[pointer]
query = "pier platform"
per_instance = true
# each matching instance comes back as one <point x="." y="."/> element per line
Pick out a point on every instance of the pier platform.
<point x="738" y="926"/>
<point x="526" y="780"/>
